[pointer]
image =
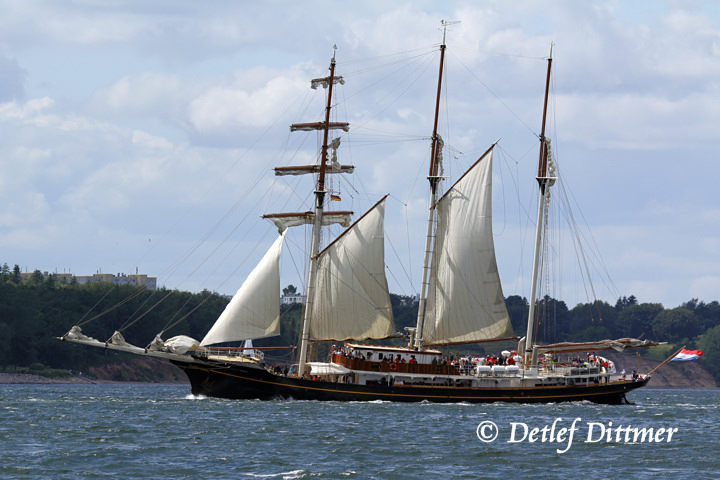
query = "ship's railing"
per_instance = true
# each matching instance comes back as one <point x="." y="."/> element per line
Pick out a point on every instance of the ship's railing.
<point x="390" y="367"/>
<point x="462" y="369"/>
<point x="231" y="352"/>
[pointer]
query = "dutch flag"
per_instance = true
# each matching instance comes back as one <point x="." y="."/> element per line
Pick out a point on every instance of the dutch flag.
<point x="686" y="355"/>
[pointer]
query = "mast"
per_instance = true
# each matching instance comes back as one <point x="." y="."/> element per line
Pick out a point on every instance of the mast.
<point x="317" y="225"/>
<point x="543" y="187"/>
<point x="434" y="179"/>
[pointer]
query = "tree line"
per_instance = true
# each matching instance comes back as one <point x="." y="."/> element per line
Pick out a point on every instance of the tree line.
<point x="34" y="311"/>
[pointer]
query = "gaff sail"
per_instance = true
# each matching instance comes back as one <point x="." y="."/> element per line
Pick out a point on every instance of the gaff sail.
<point x="465" y="299"/>
<point x="351" y="300"/>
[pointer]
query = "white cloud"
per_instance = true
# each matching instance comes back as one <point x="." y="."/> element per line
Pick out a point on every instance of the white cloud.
<point x="166" y="127"/>
<point x="27" y="111"/>
<point x="690" y="48"/>
<point x="224" y="110"/>
<point x="149" y="93"/>
<point x="638" y="121"/>
<point x="144" y="139"/>
<point x="705" y="288"/>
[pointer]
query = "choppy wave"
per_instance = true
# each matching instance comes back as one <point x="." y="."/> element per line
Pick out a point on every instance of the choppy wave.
<point x="118" y="431"/>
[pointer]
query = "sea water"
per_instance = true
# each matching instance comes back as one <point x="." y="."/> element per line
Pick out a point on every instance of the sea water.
<point x="161" y="431"/>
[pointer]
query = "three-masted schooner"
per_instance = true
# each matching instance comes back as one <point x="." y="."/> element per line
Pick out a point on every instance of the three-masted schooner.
<point x="461" y="302"/>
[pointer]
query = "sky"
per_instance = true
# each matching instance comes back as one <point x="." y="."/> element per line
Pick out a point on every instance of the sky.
<point x="141" y="136"/>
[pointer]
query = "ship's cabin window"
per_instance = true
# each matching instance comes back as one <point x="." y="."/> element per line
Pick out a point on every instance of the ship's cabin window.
<point x="380" y="356"/>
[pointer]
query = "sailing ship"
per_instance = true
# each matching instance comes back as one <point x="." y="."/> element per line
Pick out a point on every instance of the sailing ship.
<point x="348" y="303"/>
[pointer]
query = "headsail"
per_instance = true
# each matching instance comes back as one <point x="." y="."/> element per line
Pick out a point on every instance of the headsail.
<point x="351" y="300"/>
<point x="465" y="299"/>
<point x="254" y="311"/>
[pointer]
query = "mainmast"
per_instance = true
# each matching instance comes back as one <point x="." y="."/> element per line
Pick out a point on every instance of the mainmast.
<point x="318" y="218"/>
<point x="434" y="179"/>
<point x="544" y="184"/>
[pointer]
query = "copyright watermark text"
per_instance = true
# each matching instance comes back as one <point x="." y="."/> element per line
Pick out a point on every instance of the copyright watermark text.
<point x="564" y="433"/>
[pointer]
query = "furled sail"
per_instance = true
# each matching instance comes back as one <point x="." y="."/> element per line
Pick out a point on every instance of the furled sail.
<point x="308" y="127"/>
<point x="316" y="82"/>
<point x="285" y="220"/>
<point x="254" y="311"/>
<point x="305" y="169"/>
<point x="351" y="300"/>
<point x="465" y="299"/>
<point x="618" y="345"/>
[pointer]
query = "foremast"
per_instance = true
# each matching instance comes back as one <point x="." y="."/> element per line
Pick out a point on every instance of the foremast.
<point x="319" y="204"/>
<point x="317" y="217"/>
<point x="434" y="179"/>
<point x="544" y="184"/>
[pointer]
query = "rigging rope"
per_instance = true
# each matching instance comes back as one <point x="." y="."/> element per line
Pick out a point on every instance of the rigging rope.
<point x="495" y="95"/>
<point x="128" y="325"/>
<point x="185" y="316"/>
<point x="81" y="322"/>
<point x="121" y="303"/>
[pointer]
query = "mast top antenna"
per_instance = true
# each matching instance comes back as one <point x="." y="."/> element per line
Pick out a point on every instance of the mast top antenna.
<point x="445" y="24"/>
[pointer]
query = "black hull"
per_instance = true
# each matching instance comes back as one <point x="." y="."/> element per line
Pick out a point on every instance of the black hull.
<point x="239" y="382"/>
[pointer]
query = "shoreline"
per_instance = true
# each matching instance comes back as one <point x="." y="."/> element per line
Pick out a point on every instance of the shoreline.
<point x="30" y="379"/>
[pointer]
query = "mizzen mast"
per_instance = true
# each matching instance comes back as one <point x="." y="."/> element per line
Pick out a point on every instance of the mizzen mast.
<point x="544" y="184"/>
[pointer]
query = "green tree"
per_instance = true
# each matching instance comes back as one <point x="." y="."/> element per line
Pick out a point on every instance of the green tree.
<point x="552" y="319"/>
<point x="676" y="324"/>
<point x="635" y="321"/>
<point x="593" y="321"/>
<point x="709" y="343"/>
<point x="15" y="277"/>
<point x="404" y="311"/>
<point x="36" y="279"/>
<point x="625" y="302"/>
<point x="4" y="273"/>
<point x="517" y="308"/>
<point x="708" y="314"/>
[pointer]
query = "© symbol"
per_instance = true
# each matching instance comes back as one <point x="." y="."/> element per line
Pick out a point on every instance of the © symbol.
<point x="487" y="431"/>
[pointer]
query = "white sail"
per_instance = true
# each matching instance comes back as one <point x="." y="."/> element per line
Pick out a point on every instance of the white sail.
<point x="254" y="311"/>
<point x="284" y="221"/>
<point x="465" y="299"/>
<point x="351" y="300"/>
